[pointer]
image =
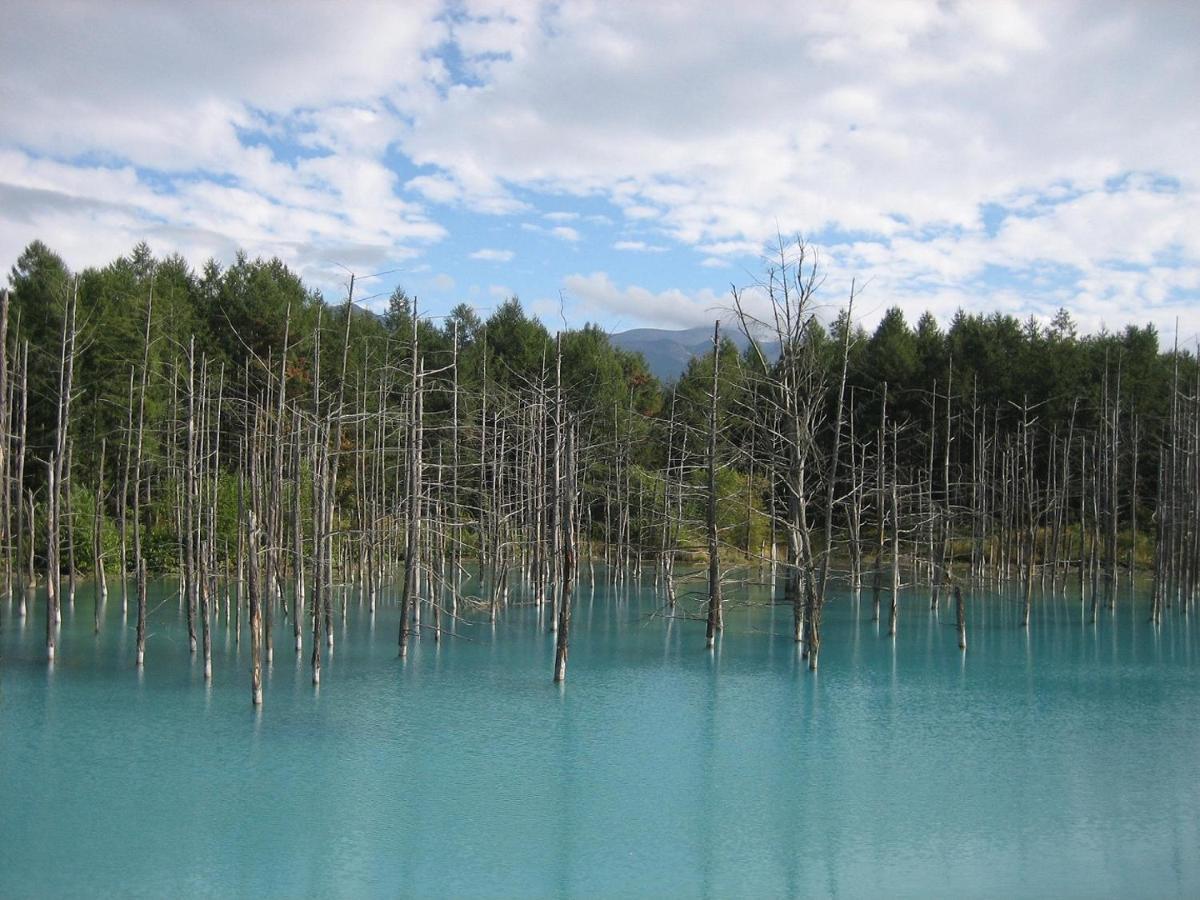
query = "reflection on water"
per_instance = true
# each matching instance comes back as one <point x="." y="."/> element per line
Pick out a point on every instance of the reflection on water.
<point x="1058" y="761"/>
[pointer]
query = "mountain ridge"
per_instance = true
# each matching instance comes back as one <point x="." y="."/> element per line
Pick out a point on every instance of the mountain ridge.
<point x="668" y="351"/>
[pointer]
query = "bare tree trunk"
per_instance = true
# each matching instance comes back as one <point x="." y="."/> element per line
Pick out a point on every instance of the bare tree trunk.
<point x="25" y="526"/>
<point x="408" y="596"/>
<point x="51" y="559"/>
<point x="138" y="560"/>
<point x="68" y="496"/>
<point x="1030" y="523"/>
<point x="892" y="615"/>
<point x="714" y="557"/>
<point x="6" y="404"/>
<point x="880" y="456"/>
<point x="123" y="500"/>
<point x="556" y="500"/>
<point x="141" y="612"/>
<point x="190" y="581"/>
<point x="297" y="536"/>
<point x="256" y="634"/>
<point x="818" y="604"/>
<point x="563" y="639"/>
<point x="101" y="586"/>
<point x="668" y="548"/>
<point x="1114" y="505"/>
<point x="961" y="617"/>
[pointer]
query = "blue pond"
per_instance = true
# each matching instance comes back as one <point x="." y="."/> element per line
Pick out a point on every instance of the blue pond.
<point x="1062" y="761"/>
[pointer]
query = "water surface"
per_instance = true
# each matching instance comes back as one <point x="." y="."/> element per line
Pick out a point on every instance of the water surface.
<point x="1056" y="762"/>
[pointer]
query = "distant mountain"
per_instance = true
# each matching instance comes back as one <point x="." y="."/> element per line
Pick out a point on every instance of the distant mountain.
<point x="667" y="352"/>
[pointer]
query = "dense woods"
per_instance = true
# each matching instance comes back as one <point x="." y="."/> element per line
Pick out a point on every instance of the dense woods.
<point x="289" y="459"/>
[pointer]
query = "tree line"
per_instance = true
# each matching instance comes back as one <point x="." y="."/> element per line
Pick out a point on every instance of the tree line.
<point x="282" y="455"/>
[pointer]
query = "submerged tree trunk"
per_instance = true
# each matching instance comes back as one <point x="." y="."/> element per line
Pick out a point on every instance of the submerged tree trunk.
<point x="567" y="577"/>
<point x="255" y="594"/>
<point x="51" y="562"/>
<point x="893" y="614"/>
<point x="101" y="585"/>
<point x="880" y="507"/>
<point x="960" y="614"/>
<point x="818" y="602"/>
<point x="714" y="557"/>
<point x="412" y="548"/>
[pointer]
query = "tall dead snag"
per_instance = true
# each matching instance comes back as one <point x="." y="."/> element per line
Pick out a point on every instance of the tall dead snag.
<point x="944" y="518"/>
<point x="266" y="596"/>
<point x="961" y="616"/>
<point x="880" y="506"/>
<point x="297" y="535"/>
<point x="141" y="612"/>
<point x="24" y="527"/>
<point x="123" y="499"/>
<point x="855" y="502"/>
<point x="714" y="555"/>
<point x="668" y="529"/>
<point x="6" y="399"/>
<point x="1114" y="431"/>
<point x="320" y="462"/>
<point x="1094" y="552"/>
<point x="556" y="500"/>
<point x="326" y="445"/>
<point x="210" y="454"/>
<point x="55" y="470"/>
<point x="567" y="578"/>
<point x="138" y="560"/>
<point x="794" y="394"/>
<point x="319" y="585"/>
<point x="408" y="594"/>
<point x="255" y="594"/>
<point x="455" y="502"/>
<point x="895" y="486"/>
<point x="1133" y="498"/>
<point x="51" y="561"/>
<point x="101" y="585"/>
<point x="1058" y="576"/>
<point x="1030" y="522"/>
<point x="275" y="508"/>
<point x="818" y="602"/>
<point x="191" y="582"/>
<point x="68" y="482"/>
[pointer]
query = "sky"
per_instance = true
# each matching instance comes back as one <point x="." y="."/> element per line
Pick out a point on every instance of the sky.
<point x="625" y="163"/>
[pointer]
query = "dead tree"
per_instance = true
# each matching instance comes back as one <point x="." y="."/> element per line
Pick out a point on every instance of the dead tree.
<point x="714" y="554"/>
<point x="795" y="390"/>
<point x="818" y="603"/>
<point x="101" y="584"/>
<point x="568" y="562"/>
<point x="255" y="594"/>
<point x="893" y="614"/>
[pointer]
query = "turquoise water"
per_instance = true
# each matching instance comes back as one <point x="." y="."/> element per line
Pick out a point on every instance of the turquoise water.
<point x="1058" y="762"/>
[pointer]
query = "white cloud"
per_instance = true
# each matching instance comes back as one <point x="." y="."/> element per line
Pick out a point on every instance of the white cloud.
<point x="596" y="294"/>
<point x="487" y="254"/>
<point x="561" y="232"/>
<point x="638" y="247"/>
<point x="883" y="130"/>
<point x="913" y="117"/>
<point x="636" y="211"/>
<point x="161" y="123"/>
<point x="167" y="85"/>
<point x="93" y="213"/>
